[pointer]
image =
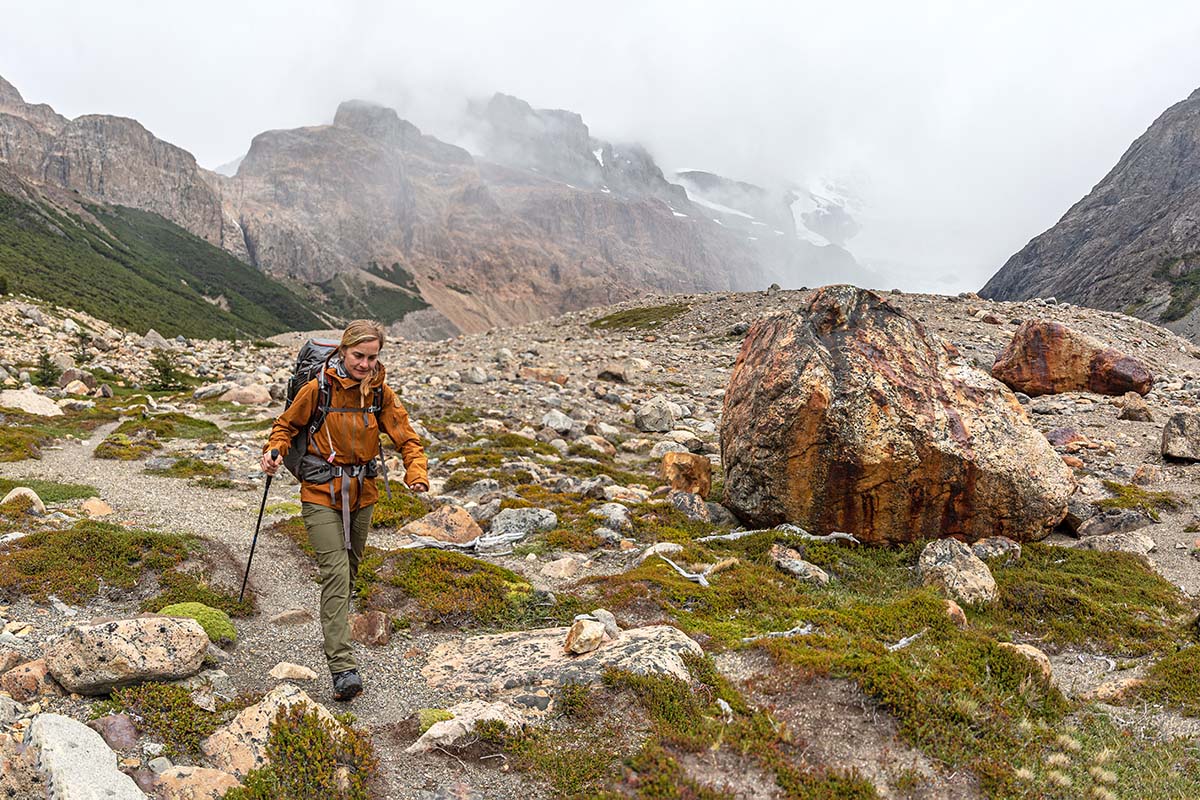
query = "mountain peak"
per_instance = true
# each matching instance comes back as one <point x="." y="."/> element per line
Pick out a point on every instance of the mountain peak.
<point x="9" y="94"/>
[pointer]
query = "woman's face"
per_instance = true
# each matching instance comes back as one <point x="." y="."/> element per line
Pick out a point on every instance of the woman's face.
<point x="360" y="359"/>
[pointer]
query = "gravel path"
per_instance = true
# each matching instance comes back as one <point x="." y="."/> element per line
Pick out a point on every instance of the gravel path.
<point x="283" y="579"/>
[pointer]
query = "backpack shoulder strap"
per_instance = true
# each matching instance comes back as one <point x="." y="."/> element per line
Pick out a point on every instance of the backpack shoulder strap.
<point x="324" y="399"/>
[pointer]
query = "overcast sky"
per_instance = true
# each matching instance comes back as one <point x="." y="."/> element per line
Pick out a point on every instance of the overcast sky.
<point x="966" y="128"/>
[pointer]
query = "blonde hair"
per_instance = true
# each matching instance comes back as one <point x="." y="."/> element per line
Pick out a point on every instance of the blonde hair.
<point x="357" y="332"/>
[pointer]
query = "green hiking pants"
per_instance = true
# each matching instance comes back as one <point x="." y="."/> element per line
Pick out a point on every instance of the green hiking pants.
<point x="337" y="566"/>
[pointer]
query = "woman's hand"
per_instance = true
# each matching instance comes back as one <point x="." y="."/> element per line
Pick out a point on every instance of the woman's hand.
<point x="419" y="487"/>
<point x="271" y="465"/>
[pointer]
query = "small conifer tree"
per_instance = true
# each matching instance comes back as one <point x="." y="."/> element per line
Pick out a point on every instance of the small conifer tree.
<point x="47" y="373"/>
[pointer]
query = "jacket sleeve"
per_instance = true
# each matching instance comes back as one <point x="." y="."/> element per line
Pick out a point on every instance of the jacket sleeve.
<point x="293" y="420"/>
<point x="396" y="425"/>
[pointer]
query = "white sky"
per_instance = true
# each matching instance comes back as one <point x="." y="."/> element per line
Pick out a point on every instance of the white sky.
<point x="966" y="127"/>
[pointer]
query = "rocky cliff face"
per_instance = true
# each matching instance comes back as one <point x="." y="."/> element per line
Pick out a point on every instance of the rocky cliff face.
<point x="110" y="160"/>
<point x="1133" y="243"/>
<point x="486" y="243"/>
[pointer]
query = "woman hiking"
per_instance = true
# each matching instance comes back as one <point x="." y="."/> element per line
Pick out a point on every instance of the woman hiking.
<point x="337" y="474"/>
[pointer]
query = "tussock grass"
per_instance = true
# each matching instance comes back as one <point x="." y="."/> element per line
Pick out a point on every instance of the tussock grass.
<point x="645" y="318"/>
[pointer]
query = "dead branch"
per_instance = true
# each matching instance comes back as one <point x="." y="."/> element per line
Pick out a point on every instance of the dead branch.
<point x="799" y="630"/>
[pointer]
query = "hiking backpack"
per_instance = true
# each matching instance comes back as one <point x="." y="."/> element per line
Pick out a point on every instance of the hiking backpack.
<point x="310" y="364"/>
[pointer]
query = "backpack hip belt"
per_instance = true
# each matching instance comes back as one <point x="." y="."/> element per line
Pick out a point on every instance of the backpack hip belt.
<point x="347" y="473"/>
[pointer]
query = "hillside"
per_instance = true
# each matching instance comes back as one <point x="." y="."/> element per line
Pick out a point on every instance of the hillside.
<point x="1076" y="680"/>
<point x="138" y="270"/>
<point x="1133" y="243"/>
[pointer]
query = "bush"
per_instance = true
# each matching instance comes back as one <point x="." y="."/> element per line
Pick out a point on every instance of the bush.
<point x="164" y="373"/>
<point x="311" y="758"/>
<point x="3" y="285"/>
<point x="46" y="373"/>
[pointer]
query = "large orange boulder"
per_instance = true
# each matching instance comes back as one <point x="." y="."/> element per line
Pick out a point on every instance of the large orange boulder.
<point x="849" y="416"/>
<point x="1048" y="357"/>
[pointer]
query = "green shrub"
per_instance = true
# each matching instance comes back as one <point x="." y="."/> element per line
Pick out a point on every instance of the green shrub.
<point x="176" y="586"/>
<point x="305" y="754"/>
<point x="164" y="371"/>
<point x="165" y="712"/>
<point x="50" y="491"/>
<point x="46" y="373"/>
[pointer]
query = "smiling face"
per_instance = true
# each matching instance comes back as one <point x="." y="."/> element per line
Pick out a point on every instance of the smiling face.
<point x="360" y="359"/>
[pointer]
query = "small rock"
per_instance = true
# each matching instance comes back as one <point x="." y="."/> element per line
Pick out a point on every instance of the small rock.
<point x="1135" y="409"/>
<point x="1129" y="542"/>
<point x="955" y="613"/>
<point x="615" y="516"/>
<point x="95" y="508"/>
<point x="562" y="568"/>
<point x="117" y="729"/>
<point x="692" y="505"/>
<point x="160" y="765"/>
<point x="584" y="636"/>
<point x="997" y="547"/>
<point x="950" y="564"/>
<point x="656" y="415"/>
<point x="29" y="681"/>
<point x="791" y="562"/>
<point x="688" y="472"/>
<point x="372" y="628"/>
<point x="609" y="621"/>
<point x="450" y="523"/>
<point x="253" y="395"/>
<point x="1181" y="437"/>
<point x="194" y="783"/>
<point x="660" y="549"/>
<point x="523" y="521"/>
<point x="287" y="671"/>
<point x="293" y="616"/>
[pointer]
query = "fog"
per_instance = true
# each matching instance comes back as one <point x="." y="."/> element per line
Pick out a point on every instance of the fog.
<point x="963" y="129"/>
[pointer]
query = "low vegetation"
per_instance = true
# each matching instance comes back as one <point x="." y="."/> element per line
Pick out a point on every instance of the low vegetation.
<point x="1148" y="502"/>
<point x="216" y="623"/>
<point x="645" y="318"/>
<point x="310" y="757"/>
<point x="24" y="435"/>
<point x="50" y="491"/>
<point x="165" y="712"/>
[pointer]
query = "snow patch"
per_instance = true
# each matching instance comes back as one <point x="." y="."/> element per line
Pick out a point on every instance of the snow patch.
<point x="599" y="154"/>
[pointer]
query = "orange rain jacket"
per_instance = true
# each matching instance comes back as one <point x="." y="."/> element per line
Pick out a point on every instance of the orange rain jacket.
<point x="352" y="438"/>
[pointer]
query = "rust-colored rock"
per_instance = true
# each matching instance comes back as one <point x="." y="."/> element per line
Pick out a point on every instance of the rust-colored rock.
<point x="450" y="523"/>
<point x="29" y="681"/>
<point x="688" y="472"/>
<point x="372" y="628"/>
<point x="849" y="416"/>
<point x="1048" y="358"/>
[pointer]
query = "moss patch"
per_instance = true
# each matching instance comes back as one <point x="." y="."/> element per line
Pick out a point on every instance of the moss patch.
<point x="72" y="562"/>
<point x="191" y="468"/>
<point x="173" y="425"/>
<point x="1174" y="681"/>
<point x="216" y="623"/>
<point x="428" y="717"/>
<point x="119" y="447"/>
<point x="1135" y="497"/>
<point x="305" y="754"/>
<point x="50" y="491"/>
<point x="645" y="318"/>
<point x="403" y="508"/>
<point x="448" y="588"/>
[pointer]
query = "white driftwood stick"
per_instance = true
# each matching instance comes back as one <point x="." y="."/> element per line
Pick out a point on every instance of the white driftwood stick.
<point x="906" y="641"/>
<point x="696" y="577"/>
<point x="794" y="530"/>
<point x="799" y="630"/>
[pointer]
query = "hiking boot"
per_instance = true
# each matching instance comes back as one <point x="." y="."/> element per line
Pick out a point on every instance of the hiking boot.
<point x="346" y="684"/>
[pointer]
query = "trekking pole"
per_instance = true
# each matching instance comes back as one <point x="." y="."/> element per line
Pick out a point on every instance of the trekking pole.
<point x="257" y="525"/>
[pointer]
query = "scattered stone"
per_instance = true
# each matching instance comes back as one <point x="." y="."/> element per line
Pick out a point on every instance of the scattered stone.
<point x="30" y="402"/>
<point x="557" y="421"/>
<point x="450" y="523"/>
<point x="950" y="565"/>
<point x="688" y="472"/>
<point x="1128" y="542"/>
<point x="29" y="681"/>
<point x="1112" y="691"/>
<point x="562" y="568"/>
<point x="1135" y="409"/>
<point x="667" y="446"/>
<point x="493" y="663"/>
<point x="615" y="373"/>
<point x="160" y="765"/>
<point x="36" y="506"/>
<point x="253" y="395"/>
<point x="1005" y="550"/>
<point x="194" y="783"/>
<point x="597" y="444"/>
<point x="791" y="562"/>
<point x="372" y="628"/>
<point x="76" y="762"/>
<point x="656" y="415"/>
<point x="474" y="375"/>
<point x="523" y="521"/>
<point x="287" y="671"/>
<point x="464" y="717"/>
<point x="584" y="636"/>
<point x="853" y="405"/>
<point x="95" y="508"/>
<point x="1181" y="437"/>
<point x="1049" y="358"/>
<point x="692" y="505"/>
<point x="1113" y="520"/>
<point x="1033" y="654"/>
<point x="153" y="340"/>
<point x="615" y="516"/>
<point x="95" y="659"/>
<point x="117" y="729"/>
